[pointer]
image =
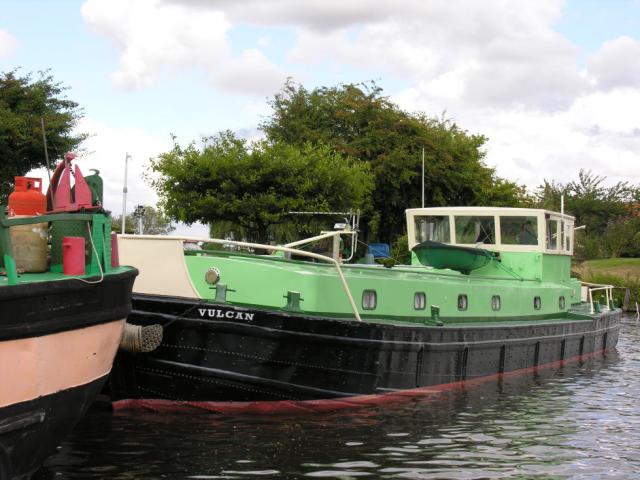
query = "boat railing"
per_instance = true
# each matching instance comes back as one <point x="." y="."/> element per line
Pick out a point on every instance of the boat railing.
<point x="278" y="248"/>
<point x="596" y="287"/>
<point x="6" y="248"/>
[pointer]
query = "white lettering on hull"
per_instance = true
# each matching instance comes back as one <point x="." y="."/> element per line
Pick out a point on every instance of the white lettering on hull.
<point x="230" y="314"/>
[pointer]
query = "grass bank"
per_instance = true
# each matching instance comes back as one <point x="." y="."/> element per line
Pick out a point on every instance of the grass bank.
<point x="621" y="272"/>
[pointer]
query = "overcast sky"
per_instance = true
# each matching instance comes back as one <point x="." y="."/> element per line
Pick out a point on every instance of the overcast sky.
<point x="553" y="84"/>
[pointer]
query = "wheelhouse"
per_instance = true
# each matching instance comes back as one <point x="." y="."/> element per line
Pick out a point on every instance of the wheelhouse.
<point x="495" y="229"/>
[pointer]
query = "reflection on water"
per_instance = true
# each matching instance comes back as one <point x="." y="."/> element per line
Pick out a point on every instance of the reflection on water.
<point x="582" y="421"/>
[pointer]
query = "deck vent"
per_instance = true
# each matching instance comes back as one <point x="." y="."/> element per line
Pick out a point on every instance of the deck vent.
<point x="369" y="299"/>
<point x="537" y="303"/>
<point x="420" y="300"/>
<point x="561" y="303"/>
<point x="463" y="302"/>
<point x="496" y="303"/>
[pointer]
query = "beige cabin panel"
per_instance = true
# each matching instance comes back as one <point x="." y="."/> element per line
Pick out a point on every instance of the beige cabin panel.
<point x="161" y="265"/>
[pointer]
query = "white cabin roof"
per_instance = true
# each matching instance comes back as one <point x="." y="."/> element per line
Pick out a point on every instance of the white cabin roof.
<point x="485" y="211"/>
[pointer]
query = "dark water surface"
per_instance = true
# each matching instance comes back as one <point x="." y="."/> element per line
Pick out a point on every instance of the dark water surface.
<point x="582" y="421"/>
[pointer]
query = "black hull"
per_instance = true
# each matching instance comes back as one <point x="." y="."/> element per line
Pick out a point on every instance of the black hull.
<point x="42" y="308"/>
<point x="219" y="353"/>
<point x="30" y="428"/>
<point x="30" y="431"/>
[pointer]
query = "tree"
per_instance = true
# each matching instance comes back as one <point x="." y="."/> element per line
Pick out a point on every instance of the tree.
<point x="249" y="188"/>
<point x="358" y="121"/>
<point x="23" y="102"/>
<point x="622" y="237"/>
<point x="608" y="212"/>
<point x="154" y="222"/>
<point x="129" y="225"/>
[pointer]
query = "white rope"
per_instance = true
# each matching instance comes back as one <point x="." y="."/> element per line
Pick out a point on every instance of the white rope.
<point x="93" y="247"/>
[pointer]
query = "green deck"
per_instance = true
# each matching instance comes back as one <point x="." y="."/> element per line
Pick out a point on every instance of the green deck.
<point x="314" y="288"/>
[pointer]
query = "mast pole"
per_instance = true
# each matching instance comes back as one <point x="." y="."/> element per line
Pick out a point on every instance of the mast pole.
<point x="124" y="192"/>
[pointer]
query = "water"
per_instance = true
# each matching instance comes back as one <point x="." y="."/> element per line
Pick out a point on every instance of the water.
<point x="582" y="421"/>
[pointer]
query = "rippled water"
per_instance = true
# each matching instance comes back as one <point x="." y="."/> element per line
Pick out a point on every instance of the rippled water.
<point x="582" y="421"/>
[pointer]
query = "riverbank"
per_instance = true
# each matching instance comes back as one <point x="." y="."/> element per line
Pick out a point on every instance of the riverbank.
<point x="621" y="272"/>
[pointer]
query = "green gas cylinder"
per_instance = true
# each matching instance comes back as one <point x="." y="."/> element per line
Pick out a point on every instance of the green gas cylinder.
<point x="95" y="184"/>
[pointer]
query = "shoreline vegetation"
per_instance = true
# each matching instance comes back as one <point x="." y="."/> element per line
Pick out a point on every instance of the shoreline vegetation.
<point x="620" y="272"/>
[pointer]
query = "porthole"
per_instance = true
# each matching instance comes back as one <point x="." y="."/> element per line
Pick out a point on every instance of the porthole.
<point x="463" y="302"/>
<point x="496" y="304"/>
<point x="561" y="302"/>
<point x="369" y="299"/>
<point x="537" y="303"/>
<point x="420" y="301"/>
<point x="212" y="276"/>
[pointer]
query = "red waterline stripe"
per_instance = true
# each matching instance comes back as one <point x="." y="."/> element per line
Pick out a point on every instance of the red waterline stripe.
<point x="325" y="405"/>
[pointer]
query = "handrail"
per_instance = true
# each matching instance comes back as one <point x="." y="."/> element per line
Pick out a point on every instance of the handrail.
<point x="260" y="246"/>
<point x="312" y="239"/>
<point x="6" y="222"/>
<point x="5" y="238"/>
<point x="594" y="287"/>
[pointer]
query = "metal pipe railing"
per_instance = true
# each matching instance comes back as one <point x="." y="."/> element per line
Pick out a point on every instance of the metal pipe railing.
<point x="274" y="248"/>
<point x="5" y="238"/>
<point x="594" y="287"/>
<point x="312" y="239"/>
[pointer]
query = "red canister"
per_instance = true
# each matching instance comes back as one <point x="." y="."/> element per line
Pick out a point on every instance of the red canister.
<point x="27" y="197"/>
<point x="73" y="255"/>
<point x="115" y="258"/>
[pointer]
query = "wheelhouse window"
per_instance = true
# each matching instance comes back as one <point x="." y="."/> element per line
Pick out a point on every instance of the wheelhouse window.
<point x="568" y="231"/>
<point x="518" y="230"/>
<point x="475" y="229"/>
<point x="433" y="228"/>
<point x="554" y="241"/>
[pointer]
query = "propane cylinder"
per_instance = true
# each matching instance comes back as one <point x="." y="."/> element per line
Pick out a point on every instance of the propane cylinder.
<point x="29" y="244"/>
<point x="27" y="197"/>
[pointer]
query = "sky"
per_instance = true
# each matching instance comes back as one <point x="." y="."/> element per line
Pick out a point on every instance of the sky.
<point x="553" y="84"/>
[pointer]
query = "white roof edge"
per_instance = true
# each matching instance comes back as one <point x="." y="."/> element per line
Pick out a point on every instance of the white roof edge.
<point x="495" y="210"/>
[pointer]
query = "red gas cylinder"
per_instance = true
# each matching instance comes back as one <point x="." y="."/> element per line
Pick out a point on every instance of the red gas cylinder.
<point x="27" y="197"/>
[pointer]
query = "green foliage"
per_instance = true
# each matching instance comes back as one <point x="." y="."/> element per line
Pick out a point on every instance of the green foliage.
<point x="622" y="282"/>
<point x="154" y="222"/>
<point x="358" y="121"/>
<point x="400" y="250"/>
<point x="612" y="224"/>
<point x="23" y="102"/>
<point x="129" y="225"/>
<point x="247" y="189"/>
